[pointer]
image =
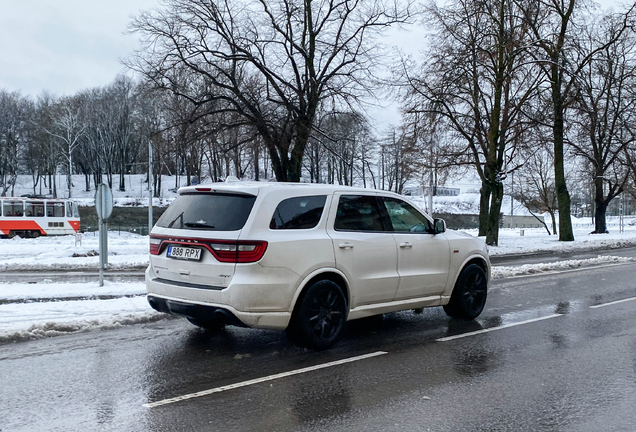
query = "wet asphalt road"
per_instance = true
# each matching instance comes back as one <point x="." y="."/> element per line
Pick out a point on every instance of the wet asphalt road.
<point x="551" y="359"/>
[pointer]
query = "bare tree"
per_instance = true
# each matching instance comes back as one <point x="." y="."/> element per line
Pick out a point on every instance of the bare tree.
<point x="561" y="53"/>
<point x="68" y="129"/>
<point x="536" y="189"/>
<point x="14" y="119"/>
<point x="606" y="109"/>
<point x="271" y="62"/>
<point x="476" y="78"/>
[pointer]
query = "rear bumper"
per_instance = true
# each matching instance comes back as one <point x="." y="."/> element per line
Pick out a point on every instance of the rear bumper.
<point x="223" y="313"/>
<point x="195" y="311"/>
<point x="265" y="304"/>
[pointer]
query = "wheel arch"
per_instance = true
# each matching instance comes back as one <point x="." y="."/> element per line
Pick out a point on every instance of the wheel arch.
<point x="474" y="259"/>
<point x="331" y="274"/>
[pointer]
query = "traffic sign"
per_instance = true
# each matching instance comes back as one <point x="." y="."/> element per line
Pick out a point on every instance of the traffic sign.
<point x="103" y="201"/>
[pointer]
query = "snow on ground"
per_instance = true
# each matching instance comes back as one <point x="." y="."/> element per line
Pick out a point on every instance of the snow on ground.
<point x="36" y="320"/>
<point x="125" y="251"/>
<point x="32" y="311"/>
<point x="530" y="269"/>
<point x="511" y="241"/>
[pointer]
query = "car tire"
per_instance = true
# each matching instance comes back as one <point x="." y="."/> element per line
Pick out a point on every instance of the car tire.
<point x="469" y="295"/>
<point x="210" y="325"/>
<point x="319" y="317"/>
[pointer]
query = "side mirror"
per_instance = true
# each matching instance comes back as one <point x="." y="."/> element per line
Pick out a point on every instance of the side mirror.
<point x="440" y="226"/>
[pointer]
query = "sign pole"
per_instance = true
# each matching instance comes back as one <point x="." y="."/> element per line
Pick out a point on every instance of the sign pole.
<point x="101" y="252"/>
<point x="104" y="208"/>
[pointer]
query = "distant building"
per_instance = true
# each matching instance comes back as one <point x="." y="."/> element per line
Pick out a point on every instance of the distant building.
<point x="521" y="222"/>
<point x="442" y="191"/>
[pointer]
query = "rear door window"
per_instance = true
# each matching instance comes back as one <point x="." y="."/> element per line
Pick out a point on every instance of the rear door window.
<point x="208" y="212"/>
<point x="298" y="213"/>
<point x="358" y="213"/>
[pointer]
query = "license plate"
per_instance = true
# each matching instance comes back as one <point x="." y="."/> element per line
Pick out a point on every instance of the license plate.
<point x="184" y="253"/>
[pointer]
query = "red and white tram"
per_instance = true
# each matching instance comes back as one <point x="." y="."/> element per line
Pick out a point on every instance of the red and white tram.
<point x="33" y="217"/>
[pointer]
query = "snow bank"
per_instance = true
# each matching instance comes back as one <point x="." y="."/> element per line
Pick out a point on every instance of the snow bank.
<point x="36" y="320"/>
<point x="530" y="269"/>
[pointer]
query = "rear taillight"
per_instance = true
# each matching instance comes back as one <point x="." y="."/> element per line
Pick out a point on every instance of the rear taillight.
<point x="224" y="251"/>
<point x="155" y="245"/>
<point x="239" y="252"/>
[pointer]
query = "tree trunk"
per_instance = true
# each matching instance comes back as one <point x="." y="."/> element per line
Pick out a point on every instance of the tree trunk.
<point x="600" y="225"/>
<point x="492" y="227"/>
<point x="484" y="206"/>
<point x="563" y="196"/>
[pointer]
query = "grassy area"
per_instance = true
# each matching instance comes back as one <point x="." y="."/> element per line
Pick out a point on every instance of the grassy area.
<point x="123" y="218"/>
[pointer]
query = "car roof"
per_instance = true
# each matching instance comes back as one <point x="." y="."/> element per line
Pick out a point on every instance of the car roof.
<point x="256" y="188"/>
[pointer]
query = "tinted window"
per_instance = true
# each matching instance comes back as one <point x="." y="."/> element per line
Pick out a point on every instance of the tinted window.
<point x="13" y="208"/>
<point x="211" y="212"/>
<point x="358" y="213"/>
<point x="55" y="209"/>
<point x="404" y="217"/>
<point x="35" y="209"/>
<point x="298" y="213"/>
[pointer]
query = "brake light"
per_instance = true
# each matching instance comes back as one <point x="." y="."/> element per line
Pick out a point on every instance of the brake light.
<point x="155" y="245"/>
<point x="239" y="252"/>
<point x="225" y="251"/>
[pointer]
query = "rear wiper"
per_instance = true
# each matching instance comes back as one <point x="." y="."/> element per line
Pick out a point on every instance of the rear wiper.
<point x="198" y="225"/>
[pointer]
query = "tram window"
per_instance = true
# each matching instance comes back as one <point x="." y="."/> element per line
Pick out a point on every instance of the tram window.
<point x="34" y="209"/>
<point x="55" y="209"/>
<point x="13" y="208"/>
<point x="69" y="209"/>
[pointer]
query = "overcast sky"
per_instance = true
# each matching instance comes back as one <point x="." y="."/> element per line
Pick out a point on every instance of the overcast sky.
<point x="64" y="46"/>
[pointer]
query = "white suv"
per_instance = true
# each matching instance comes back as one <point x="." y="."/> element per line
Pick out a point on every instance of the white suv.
<point x="307" y="258"/>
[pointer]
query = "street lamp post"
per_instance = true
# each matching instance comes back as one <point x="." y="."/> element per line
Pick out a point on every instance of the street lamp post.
<point x="150" y="186"/>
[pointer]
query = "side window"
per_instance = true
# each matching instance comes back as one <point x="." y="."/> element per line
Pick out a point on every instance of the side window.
<point x="405" y="218"/>
<point x="55" y="209"/>
<point x="13" y="208"/>
<point x="358" y="213"/>
<point x="34" y="209"/>
<point x="298" y="213"/>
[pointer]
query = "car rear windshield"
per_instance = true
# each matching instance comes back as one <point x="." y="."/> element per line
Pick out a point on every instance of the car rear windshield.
<point x="210" y="212"/>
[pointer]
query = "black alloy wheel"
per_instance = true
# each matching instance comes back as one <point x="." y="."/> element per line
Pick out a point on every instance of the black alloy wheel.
<point x="319" y="317"/>
<point x="469" y="296"/>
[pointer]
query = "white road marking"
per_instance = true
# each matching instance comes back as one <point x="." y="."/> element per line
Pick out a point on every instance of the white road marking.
<point x="263" y="379"/>
<point x="612" y="303"/>
<point x="463" y="335"/>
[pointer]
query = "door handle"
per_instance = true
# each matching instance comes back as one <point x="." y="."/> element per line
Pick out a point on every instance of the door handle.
<point x="345" y="245"/>
<point x="406" y="245"/>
